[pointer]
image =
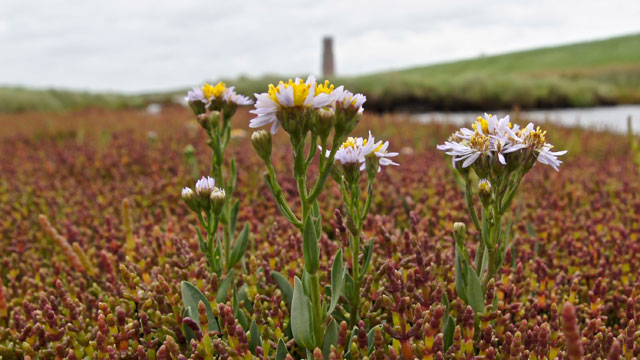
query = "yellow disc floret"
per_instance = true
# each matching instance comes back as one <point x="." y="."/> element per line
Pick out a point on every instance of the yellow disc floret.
<point x="481" y="123"/>
<point x="300" y="91"/>
<point x="326" y="88"/>
<point x="352" y="142"/>
<point x="213" y="92"/>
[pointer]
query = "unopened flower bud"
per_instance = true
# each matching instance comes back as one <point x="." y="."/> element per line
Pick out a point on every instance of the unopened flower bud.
<point x="372" y="164"/>
<point x="459" y="233"/>
<point x="261" y="141"/>
<point x="217" y="200"/>
<point x="484" y="191"/>
<point x="189" y="197"/>
<point x="324" y="121"/>
<point x="204" y="188"/>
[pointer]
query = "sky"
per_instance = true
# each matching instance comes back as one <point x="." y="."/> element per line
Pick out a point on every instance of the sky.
<point x="143" y="45"/>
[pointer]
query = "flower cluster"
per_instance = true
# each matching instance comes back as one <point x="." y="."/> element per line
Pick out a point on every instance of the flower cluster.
<point x="215" y="98"/>
<point x="491" y="139"/>
<point x="287" y="103"/>
<point x="206" y="196"/>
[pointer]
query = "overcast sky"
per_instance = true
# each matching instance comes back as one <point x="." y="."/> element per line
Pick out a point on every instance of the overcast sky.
<point x="142" y="45"/>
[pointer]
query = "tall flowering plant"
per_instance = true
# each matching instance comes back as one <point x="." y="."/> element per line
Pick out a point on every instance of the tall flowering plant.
<point x="500" y="154"/>
<point x="314" y="115"/>
<point x="354" y="156"/>
<point x="210" y="200"/>
<point x="214" y="107"/>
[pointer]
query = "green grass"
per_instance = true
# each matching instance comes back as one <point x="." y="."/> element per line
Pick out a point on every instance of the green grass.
<point x="586" y="74"/>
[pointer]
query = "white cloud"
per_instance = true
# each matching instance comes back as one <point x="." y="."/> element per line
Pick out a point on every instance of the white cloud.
<point x="148" y="45"/>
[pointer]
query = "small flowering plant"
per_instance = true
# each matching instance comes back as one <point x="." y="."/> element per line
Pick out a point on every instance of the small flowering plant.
<point x="214" y="106"/>
<point x="313" y="115"/>
<point x="354" y="156"/>
<point x="500" y="154"/>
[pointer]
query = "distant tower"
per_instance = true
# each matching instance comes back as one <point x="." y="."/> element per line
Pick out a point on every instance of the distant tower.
<point x="328" y="69"/>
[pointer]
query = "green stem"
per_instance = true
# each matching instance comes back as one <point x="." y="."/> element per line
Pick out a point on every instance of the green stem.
<point x="355" y="302"/>
<point x="468" y="195"/>
<point x="316" y="309"/>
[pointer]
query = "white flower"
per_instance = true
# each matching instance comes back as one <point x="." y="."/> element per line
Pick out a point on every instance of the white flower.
<point x="501" y="145"/>
<point x="292" y="94"/>
<point x="380" y="151"/>
<point x="205" y="185"/>
<point x="345" y="99"/>
<point x="194" y="95"/>
<point x="535" y="140"/>
<point x="468" y="150"/>
<point x="187" y="193"/>
<point x="230" y="96"/>
<point x="354" y="150"/>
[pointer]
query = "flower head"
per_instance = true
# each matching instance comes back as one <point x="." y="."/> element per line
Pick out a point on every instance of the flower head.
<point x="536" y="141"/>
<point x="195" y="95"/>
<point x="345" y="99"/>
<point x="294" y="94"/>
<point x="205" y="185"/>
<point x="213" y="92"/>
<point x="494" y="138"/>
<point x="230" y="96"/>
<point x="354" y="150"/>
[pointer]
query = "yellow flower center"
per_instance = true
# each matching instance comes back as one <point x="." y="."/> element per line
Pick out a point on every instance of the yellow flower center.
<point x="300" y="91"/>
<point x="481" y="123"/>
<point x="479" y="142"/>
<point x="325" y="88"/>
<point x="535" y="138"/>
<point x="352" y="142"/>
<point x="211" y="91"/>
<point x="485" y="186"/>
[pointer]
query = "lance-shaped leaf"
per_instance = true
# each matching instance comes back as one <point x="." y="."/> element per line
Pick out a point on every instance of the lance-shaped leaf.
<point x="240" y="247"/>
<point x="461" y="280"/>
<point x="337" y="280"/>
<point x="368" y="251"/>
<point x="310" y="246"/>
<point x="301" y="317"/>
<point x="285" y="287"/>
<point x="254" y="337"/>
<point x="191" y="297"/>
<point x="330" y="338"/>
<point x="281" y="350"/>
<point x="223" y="289"/>
<point x="475" y="293"/>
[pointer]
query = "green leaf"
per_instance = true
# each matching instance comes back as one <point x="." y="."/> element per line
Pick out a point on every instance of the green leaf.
<point x="301" y="317"/>
<point x="201" y="243"/>
<point x="354" y="334"/>
<point x="368" y="252"/>
<point x="370" y="336"/>
<point x="240" y="246"/>
<point x="330" y="338"/>
<point x="347" y="289"/>
<point x="461" y="283"/>
<point x="223" y="289"/>
<point x="239" y="314"/>
<point x="448" y="331"/>
<point x="254" y="337"/>
<point x="476" y="295"/>
<point x="337" y="280"/>
<point x="191" y="297"/>
<point x="216" y="259"/>
<point x="281" y="351"/>
<point x="233" y="219"/>
<point x="284" y="285"/>
<point x="234" y="174"/>
<point x="317" y="218"/>
<point x="310" y="246"/>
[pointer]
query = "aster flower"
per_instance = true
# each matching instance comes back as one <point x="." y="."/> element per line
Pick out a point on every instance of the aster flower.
<point x="294" y="94"/>
<point x="536" y="141"/>
<point x="230" y="96"/>
<point x="205" y="186"/>
<point x="354" y="150"/>
<point x="195" y="95"/>
<point x="214" y="92"/>
<point x="345" y="99"/>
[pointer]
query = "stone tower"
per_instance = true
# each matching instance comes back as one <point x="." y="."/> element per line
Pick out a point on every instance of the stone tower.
<point x="328" y="69"/>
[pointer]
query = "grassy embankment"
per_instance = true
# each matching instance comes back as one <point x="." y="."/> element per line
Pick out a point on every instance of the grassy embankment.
<point x="585" y="74"/>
